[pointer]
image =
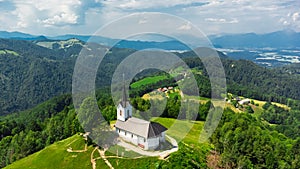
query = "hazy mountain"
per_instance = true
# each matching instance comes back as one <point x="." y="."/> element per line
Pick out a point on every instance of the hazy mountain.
<point x="15" y="35"/>
<point x="280" y="39"/>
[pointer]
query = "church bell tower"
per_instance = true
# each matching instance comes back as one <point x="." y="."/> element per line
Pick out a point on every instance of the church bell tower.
<point x="124" y="109"/>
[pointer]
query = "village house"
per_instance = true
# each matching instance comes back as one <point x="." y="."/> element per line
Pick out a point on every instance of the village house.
<point x="244" y="101"/>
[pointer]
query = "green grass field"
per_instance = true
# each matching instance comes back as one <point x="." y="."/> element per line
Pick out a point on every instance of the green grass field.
<point x="182" y="130"/>
<point x="56" y="156"/>
<point x="147" y="80"/>
<point x="5" y="51"/>
<point x="141" y="163"/>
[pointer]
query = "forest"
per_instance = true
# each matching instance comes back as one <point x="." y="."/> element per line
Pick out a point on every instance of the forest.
<point x="42" y="73"/>
<point x="242" y="140"/>
<point x="245" y="142"/>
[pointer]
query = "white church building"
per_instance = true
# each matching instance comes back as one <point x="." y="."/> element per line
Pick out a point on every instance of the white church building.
<point x="145" y="134"/>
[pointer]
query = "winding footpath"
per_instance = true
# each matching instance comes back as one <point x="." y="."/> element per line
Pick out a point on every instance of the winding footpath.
<point x="93" y="161"/>
<point x="161" y="155"/>
<point x="102" y="154"/>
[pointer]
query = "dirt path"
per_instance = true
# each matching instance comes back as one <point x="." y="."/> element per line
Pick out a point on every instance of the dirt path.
<point x="102" y="154"/>
<point x="72" y="142"/>
<point x="70" y="150"/>
<point x="93" y="161"/>
<point x="162" y="155"/>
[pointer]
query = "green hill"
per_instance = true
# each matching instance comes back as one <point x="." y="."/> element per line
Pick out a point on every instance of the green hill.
<point x="57" y="156"/>
<point x="31" y="74"/>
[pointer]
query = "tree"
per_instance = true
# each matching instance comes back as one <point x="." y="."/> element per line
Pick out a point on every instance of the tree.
<point x="89" y="114"/>
<point x="249" y="109"/>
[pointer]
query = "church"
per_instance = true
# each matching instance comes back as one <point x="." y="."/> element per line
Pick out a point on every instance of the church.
<point x="145" y="134"/>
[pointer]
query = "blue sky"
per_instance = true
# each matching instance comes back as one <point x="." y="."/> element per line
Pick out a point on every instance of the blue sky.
<point x="55" y="17"/>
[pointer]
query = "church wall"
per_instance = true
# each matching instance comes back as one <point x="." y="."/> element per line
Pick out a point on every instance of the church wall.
<point x="126" y="112"/>
<point x="128" y="136"/>
<point x="149" y="144"/>
<point x="152" y="143"/>
<point x="120" y="116"/>
<point x="162" y="137"/>
<point x="141" y="140"/>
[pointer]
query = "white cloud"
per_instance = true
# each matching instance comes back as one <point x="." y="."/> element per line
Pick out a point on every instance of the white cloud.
<point x="46" y="13"/>
<point x="63" y="18"/>
<point x="291" y="20"/>
<point x="145" y="4"/>
<point x="86" y="16"/>
<point x="295" y="16"/>
<point x="221" y="20"/>
<point x="143" y="21"/>
<point x="185" y="27"/>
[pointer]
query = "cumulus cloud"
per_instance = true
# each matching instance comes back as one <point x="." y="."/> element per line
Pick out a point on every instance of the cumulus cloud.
<point x="56" y="12"/>
<point x="60" y="19"/>
<point x="292" y="20"/>
<point x="44" y="13"/>
<point x="82" y="16"/>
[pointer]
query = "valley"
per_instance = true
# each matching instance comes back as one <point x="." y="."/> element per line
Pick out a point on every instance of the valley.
<point x="261" y="110"/>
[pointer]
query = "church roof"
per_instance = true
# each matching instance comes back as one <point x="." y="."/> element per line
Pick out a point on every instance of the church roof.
<point x="141" y="127"/>
<point x="124" y="102"/>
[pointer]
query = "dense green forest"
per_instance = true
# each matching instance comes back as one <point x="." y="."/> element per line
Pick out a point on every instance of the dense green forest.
<point x="39" y="73"/>
<point x="242" y="140"/>
<point x="245" y="142"/>
<point x="27" y="132"/>
<point x="286" y="122"/>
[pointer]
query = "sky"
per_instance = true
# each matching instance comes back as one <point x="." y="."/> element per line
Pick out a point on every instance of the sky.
<point x="57" y="17"/>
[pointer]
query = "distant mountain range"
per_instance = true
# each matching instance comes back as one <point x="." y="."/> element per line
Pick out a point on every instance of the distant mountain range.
<point x="279" y="39"/>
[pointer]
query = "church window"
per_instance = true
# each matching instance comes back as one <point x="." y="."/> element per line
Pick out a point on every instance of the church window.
<point x="120" y="112"/>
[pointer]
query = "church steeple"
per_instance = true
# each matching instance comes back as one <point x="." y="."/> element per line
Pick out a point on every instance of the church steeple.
<point x="124" y="96"/>
<point x="124" y="109"/>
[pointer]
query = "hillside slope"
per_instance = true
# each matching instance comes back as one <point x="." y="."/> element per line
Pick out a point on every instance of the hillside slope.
<point x="31" y="74"/>
<point x="57" y="156"/>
